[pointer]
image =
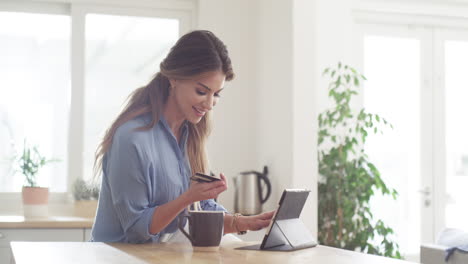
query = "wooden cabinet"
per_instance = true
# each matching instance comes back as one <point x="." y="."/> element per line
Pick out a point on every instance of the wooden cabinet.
<point x="38" y="234"/>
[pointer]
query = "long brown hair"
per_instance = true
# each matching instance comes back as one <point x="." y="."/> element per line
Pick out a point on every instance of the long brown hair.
<point x="194" y="53"/>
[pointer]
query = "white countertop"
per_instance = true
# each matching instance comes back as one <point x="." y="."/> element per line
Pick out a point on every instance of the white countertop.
<point x="19" y="221"/>
<point x="93" y="252"/>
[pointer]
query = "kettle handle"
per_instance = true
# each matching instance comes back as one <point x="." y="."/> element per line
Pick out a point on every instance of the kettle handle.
<point x="263" y="176"/>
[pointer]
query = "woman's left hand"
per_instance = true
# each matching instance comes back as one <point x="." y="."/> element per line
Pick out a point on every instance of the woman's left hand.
<point x="255" y="222"/>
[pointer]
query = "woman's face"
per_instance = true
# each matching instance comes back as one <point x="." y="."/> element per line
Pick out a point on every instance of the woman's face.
<point x="194" y="98"/>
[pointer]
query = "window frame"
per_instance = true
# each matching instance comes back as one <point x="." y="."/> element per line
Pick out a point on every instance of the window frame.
<point x="182" y="10"/>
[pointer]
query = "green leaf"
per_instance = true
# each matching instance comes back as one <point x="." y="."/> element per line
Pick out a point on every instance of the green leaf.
<point x="356" y="81"/>
<point x="347" y="178"/>
<point x="30" y="162"/>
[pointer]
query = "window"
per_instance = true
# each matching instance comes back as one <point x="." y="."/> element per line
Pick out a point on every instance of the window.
<point x="34" y="93"/>
<point x="122" y="54"/>
<point x="65" y="72"/>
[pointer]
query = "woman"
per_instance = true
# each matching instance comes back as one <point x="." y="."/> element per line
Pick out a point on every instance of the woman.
<point x="158" y="141"/>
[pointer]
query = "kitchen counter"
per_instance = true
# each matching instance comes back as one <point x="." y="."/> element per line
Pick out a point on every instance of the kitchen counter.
<point x="17" y="221"/>
<point x="89" y="253"/>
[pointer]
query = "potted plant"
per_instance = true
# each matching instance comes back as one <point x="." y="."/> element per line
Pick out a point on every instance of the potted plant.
<point x="348" y="179"/>
<point x="35" y="198"/>
<point x="86" y="195"/>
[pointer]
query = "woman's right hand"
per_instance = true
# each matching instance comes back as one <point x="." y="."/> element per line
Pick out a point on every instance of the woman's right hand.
<point x="204" y="191"/>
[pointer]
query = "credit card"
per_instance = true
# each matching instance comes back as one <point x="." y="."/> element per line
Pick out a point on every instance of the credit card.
<point x="200" y="177"/>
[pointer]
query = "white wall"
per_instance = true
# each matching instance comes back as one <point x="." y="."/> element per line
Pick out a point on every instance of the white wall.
<point x="232" y="143"/>
<point x="304" y="111"/>
<point x="267" y="115"/>
<point x="334" y="42"/>
<point x="275" y="91"/>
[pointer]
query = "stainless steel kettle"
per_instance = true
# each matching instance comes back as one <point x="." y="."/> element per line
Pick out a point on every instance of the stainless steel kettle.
<point x="250" y="193"/>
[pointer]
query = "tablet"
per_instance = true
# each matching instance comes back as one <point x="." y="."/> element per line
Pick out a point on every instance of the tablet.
<point x="286" y="231"/>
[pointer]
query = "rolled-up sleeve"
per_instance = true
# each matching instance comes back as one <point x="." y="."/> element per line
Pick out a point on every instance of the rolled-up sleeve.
<point x="128" y="177"/>
<point x="211" y="205"/>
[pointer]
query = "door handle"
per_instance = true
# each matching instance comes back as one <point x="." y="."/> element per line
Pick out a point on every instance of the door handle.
<point x="426" y="191"/>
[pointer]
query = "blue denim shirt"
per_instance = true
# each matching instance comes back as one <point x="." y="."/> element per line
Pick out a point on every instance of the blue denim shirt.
<point x="141" y="171"/>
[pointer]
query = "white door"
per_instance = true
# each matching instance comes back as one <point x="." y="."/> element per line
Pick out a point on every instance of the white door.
<point x="416" y="80"/>
<point x="396" y="64"/>
<point x="451" y="142"/>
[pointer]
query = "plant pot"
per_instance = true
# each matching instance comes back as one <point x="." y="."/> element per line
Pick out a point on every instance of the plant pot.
<point x="35" y="201"/>
<point x="85" y="208"/>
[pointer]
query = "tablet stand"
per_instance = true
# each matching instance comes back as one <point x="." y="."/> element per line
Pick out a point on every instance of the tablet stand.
<point x="289" y="234"/>
<point x="286" y="235"/>
<point x="287" y="231"/>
